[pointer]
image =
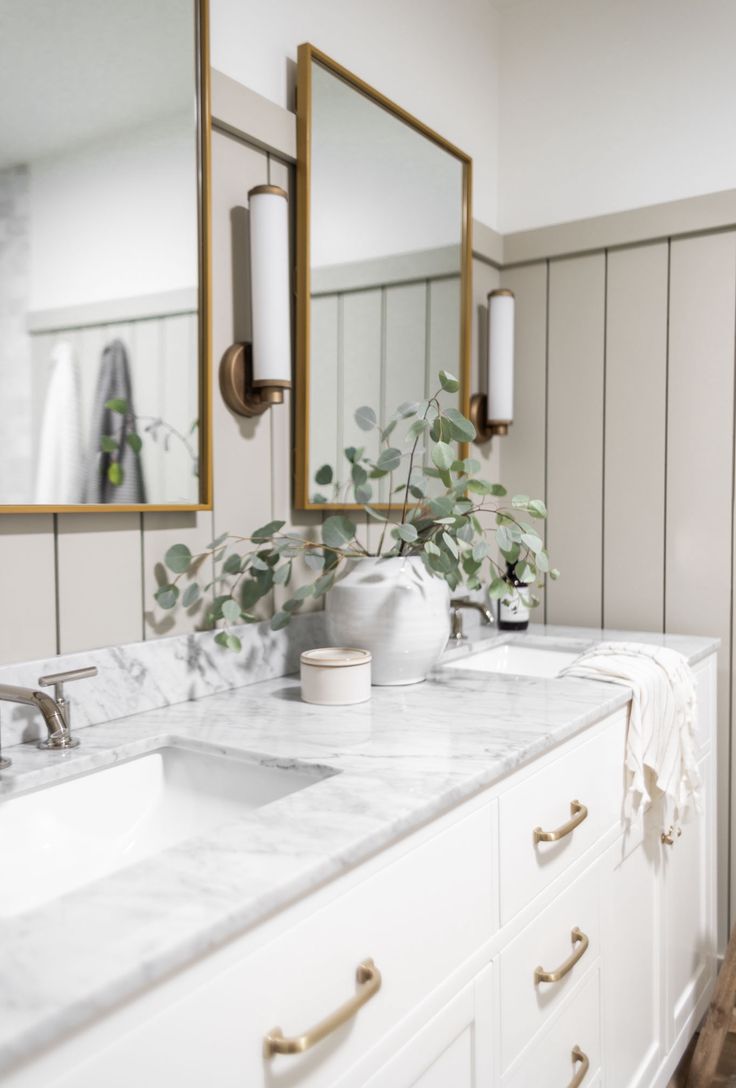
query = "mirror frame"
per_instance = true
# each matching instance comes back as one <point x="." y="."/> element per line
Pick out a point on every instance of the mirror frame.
<point x="306" y="56"/>
<point x="203" y="116"/>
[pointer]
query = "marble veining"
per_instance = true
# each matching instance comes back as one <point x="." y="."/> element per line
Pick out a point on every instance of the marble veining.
<point x="406" y="757"/>
<point x="146" y="675"/>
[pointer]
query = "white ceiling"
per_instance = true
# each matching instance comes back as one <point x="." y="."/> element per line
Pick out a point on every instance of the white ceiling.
<point x="72" y="71"/>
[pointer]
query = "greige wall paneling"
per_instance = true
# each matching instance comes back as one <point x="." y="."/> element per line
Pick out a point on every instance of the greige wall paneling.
<point x="523" y="449"/>
<point x="360" y="380"/>
<point x="27" y="587"/>
<point x="100" y="582"/>
<point x="699" y="467"/>
<point x="324" y="390"/>
<point x="575" y="438"/>
<point x="636" y="389"/>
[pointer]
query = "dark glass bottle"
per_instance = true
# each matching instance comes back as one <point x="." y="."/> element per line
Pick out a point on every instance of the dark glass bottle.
<point x="513" y="614"/>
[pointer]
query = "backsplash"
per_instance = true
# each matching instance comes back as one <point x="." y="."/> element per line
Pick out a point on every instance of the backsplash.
<point x="148" y="675"/>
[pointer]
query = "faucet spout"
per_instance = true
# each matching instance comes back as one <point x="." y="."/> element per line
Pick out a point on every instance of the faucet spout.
<point x="53" y="715"/>
<point x="459" y="603"/>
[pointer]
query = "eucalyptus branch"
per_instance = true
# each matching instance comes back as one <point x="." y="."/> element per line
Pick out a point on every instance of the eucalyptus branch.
<point x="443" y="530"/>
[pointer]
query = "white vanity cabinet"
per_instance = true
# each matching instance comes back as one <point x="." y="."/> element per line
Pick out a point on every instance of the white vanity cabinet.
<point x="522" y="942"/>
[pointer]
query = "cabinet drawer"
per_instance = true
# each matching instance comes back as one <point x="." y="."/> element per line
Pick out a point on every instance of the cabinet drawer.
<point x="550" y="1062"/>
<point x="592" y="774"/>
<point x="527" y="1003"/>
<point x="418" y="918"/>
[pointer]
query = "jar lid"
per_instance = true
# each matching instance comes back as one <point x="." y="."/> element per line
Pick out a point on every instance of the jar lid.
<point x="335" y="657"/>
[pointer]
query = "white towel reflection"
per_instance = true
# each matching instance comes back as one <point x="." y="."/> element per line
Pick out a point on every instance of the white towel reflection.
<point x="59" y="475"/>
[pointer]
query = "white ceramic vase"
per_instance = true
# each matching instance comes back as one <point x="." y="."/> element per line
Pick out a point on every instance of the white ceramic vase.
<point x="397" y="610"/>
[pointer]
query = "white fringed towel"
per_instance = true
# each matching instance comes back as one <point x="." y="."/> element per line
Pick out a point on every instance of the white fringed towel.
<point x="660" y="744"/>
<point x="60" y="471"/>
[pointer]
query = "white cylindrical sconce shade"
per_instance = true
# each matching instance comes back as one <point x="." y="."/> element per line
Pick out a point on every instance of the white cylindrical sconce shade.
<point x="500" y="404"/>
<point x="269" y="276"/>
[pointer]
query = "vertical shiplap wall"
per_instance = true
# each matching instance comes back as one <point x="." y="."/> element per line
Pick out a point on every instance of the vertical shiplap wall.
<point x="625" y="424"/>
<point x="73" y="582"/>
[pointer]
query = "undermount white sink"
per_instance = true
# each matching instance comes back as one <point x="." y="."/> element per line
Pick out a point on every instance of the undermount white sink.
<point x="65" y="835"/>
<point x="514" y="660"/>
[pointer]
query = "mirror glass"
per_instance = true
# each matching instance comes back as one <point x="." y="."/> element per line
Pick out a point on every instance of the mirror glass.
<point x="386" y="253"/>
<point x="100" y="325"/>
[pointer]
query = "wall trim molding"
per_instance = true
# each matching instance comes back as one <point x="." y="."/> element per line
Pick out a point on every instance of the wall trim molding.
<point x="241" y="112"/>
<point x="653" y="223"/>
<point x="181" y="300"/>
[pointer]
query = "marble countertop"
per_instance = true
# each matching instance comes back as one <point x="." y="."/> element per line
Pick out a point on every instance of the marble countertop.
<point x="406" y="757"/>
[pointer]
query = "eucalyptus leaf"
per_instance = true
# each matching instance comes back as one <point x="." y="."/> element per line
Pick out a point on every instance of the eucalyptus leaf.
<point x="178" y="558"/>
<point x="337" y="531"/>
<point x="533" y="542"/>
<point x="282" y="575"/>
<point x="190" y="595"/>
<point x="134" y="441"/>
<point x="461" y="428"/>
<point x="117" y="404"/>
<point x="449" y="382"/>
<point x="232" y="564"/>
<point x="405" y="532"/>
<point x="323" y="584"/>
<point x="108" y="444"/>
<point x="267" y="531"/>
<point x="418" y="427"/>
<point x="167" y="596"/>
<point x="280" y="619"/>
<point x="229" y="641"/>
<point x="215" y="544"/>
<point x="389" y="459"/>
<point x="115" y="474"/>
<point x="366" y="419"/>
<point x="375" y="514"/>
<point x="230" y="610"/>
<point x="323" y="475"/>
<point x="451" y="544"/>
<point x="443" y="455"/>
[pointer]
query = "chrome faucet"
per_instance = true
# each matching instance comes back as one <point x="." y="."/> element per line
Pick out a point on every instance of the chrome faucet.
<point x="56" y="711"/>
<point x="456" y="605"/>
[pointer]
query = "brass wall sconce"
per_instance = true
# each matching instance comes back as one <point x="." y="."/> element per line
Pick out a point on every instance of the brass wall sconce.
<point x="493" y="413"/>
<point x="254" y="376"/>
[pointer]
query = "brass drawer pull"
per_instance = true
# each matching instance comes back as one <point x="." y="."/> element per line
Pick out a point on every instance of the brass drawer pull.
<point x="580" y="946"/>
<point x="369" y="980"/>
<point x="577" y="811"/>
<point x="579" y="1056"/>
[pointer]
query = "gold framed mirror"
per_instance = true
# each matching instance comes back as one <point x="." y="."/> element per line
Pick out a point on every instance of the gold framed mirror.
<point x="383" y="270"/>
<point x="105" y="267"/>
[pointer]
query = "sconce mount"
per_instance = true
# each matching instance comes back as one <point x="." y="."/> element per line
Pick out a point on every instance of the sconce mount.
<point x="485" y="429"/>
<point x="241" y="394"/>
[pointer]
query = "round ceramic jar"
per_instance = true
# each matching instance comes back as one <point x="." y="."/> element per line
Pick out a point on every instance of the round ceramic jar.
<point x="336" y="676"/>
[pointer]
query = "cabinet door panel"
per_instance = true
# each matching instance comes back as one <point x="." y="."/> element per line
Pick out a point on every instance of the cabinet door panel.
<point x="631" y="974"/>
<point x="454" y="1050"/>
<point x="689" y="940"/>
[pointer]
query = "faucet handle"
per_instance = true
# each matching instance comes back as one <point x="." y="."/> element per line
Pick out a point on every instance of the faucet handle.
<point x="58" y="679"/>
